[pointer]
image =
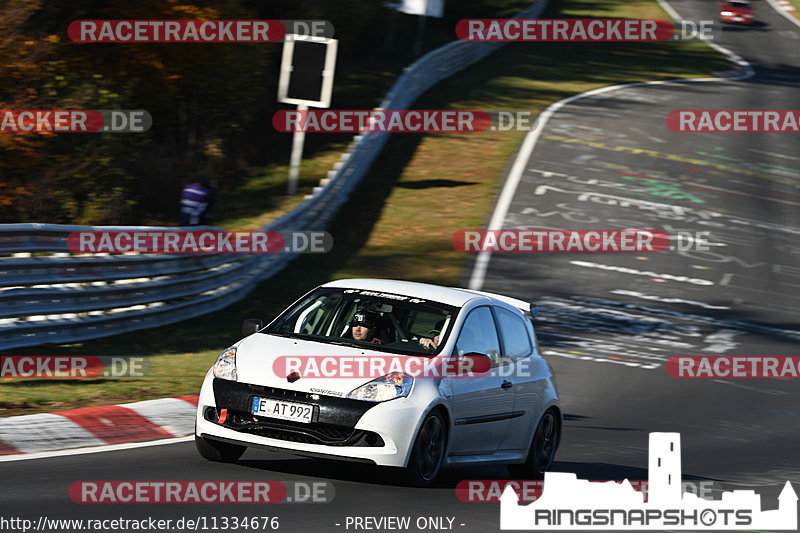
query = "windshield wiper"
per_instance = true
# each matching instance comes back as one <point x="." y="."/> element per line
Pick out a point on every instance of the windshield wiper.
<point x="315" y="338"/>
<point x="287" y="335"/>
<point x="340" y="342"/>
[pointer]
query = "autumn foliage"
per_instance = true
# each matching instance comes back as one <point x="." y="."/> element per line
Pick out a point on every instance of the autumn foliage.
<point x="211" y="104"/>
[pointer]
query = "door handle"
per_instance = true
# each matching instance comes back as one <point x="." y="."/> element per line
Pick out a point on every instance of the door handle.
<point x="506" y="384"/>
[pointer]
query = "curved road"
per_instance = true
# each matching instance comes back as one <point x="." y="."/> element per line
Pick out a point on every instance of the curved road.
<point x="602" y="162"/>
<point x="610" y="321"/>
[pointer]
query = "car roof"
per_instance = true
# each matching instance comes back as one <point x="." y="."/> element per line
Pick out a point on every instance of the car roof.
<point x="426" y="291"/>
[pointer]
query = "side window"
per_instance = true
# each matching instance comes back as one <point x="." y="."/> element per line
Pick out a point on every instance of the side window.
<point x="515" y="337"/>
<point x="478" y="334"/>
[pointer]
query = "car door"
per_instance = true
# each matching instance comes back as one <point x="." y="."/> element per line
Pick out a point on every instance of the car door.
<point x="520" y="366"/>
<point x="480" y="406"/>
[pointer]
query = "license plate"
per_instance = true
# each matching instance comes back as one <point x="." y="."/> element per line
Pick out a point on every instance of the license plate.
<point x="296" y="412"/>
<point x="738" y="19"/>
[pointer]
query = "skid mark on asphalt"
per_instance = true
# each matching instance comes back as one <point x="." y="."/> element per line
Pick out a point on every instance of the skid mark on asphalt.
<point x="635" y="336"/>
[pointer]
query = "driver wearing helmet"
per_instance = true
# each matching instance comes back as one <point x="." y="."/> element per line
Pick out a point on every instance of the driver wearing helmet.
<point x="363" y="326"/>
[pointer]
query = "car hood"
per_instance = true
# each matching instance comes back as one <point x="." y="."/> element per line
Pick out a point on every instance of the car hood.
<point x="256" y="355"/>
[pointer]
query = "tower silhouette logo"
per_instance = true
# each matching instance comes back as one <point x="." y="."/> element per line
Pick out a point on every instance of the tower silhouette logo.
<point x="569" y="503"/>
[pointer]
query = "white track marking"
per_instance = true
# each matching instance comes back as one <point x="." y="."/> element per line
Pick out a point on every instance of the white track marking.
<point x="94" y="449"/>
<point x="532" y="137"/>
<point x="777" y="7"/>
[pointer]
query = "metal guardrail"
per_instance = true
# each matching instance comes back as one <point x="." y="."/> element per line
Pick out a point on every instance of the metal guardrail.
<point x="62" y="298"/>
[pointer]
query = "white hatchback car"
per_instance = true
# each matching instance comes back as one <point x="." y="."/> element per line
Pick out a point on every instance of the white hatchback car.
<point x="421" y="421"/>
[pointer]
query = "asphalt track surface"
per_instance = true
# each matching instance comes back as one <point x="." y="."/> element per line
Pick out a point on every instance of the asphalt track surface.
<point x="606" y="333"/>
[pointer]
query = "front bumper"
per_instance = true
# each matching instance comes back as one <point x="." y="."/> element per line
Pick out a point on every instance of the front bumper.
<point x="736" y="19"/>
<point x="341" y="428"/>
<point x="333" y="420"/>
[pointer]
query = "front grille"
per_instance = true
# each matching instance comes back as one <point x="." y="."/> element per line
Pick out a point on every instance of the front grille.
<point x="314" y="433"/>
<point x="285" y="393"/>
<point x="335" y="411"/>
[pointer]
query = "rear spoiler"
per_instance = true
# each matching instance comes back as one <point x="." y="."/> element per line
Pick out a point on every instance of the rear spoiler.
<point x="528" y="308"/>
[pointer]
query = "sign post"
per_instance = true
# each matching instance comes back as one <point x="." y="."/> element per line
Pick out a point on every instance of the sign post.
<point x="306" y="79"/>
<point x="421" y="8"/>
<point x="296" y="157"/>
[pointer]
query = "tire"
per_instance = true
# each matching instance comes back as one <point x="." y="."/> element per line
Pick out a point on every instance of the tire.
<point x="543" y="448"/>
<point x="220" y="452"/>
<point x="427" y="454"/>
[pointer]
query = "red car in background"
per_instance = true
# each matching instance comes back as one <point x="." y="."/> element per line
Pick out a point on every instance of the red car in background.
<point x="736" y="12"/>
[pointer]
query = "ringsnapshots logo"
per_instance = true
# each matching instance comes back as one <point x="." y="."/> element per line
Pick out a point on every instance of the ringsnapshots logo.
<point x="569" y="503"/>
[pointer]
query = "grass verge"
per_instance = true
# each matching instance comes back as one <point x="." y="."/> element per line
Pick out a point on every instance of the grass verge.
<point x="796" y="12"/>
<point x="399" y="223"/>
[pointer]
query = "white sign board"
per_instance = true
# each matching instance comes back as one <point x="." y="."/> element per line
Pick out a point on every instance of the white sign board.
<point x="430" y="8"/>
<point x="307" y="68"/>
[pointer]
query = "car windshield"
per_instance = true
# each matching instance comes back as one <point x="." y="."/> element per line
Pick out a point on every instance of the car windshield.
<point x="369" y="319"/>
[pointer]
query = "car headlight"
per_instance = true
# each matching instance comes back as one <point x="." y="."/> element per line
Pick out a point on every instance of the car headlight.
<point x="388" y="387"/>
<point x="225" y="367"/>
<point x="726" y="13"/>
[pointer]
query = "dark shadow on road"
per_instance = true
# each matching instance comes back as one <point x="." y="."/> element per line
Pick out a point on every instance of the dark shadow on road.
<point x="576" y="417"/>
<point x="427" y="184"/>
<point x="612" y="471"/>
<point x="448" y="479"/>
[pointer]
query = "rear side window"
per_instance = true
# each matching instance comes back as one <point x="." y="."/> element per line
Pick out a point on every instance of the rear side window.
<point x="514" y="334"/>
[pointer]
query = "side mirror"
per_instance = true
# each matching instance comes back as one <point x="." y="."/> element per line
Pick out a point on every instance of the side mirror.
<point x="251" y="325"/>
<point x="471" y="364"/>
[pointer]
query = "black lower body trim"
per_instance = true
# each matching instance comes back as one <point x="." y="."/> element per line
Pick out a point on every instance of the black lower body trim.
<point x="488" y="418"/>
<point x="313" y="433"/>
<point x="315" y="455"/>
